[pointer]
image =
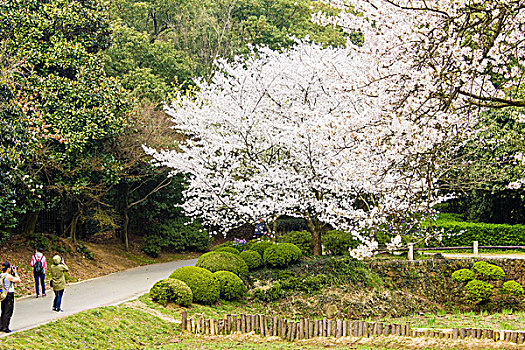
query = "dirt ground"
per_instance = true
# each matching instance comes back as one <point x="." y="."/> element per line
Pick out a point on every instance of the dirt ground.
<point x="109" y="256"/>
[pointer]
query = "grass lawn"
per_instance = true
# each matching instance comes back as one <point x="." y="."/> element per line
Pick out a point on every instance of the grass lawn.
<point x="141" y="324"/>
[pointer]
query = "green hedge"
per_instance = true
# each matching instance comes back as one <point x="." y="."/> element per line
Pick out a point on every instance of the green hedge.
<point x="338" y="242"/>
<point x="226" y="249"/>
<point x="232" y="287"/>
<point x="203" y="284"/>
<point x="251" y="258"/>
<point x="282" y="254"/>
<point x="223" y="261"/>
<point x="302" y="239"/>
<point x="260" y="247"/>
<point x="485" y="234"/>
<point x="173" y="290"/>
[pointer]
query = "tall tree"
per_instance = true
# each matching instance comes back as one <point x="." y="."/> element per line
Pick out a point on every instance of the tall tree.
<point x="60" y="41"/>
<point x="292" y="134"/>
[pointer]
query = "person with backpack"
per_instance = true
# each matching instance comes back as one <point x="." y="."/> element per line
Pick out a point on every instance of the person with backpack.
<point x="39" y="265"/>
<point x="58" y="281"/>
<point x="8" y="277"/>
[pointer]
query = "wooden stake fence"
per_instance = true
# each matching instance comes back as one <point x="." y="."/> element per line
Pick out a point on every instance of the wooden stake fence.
<point x="268" y="326"/>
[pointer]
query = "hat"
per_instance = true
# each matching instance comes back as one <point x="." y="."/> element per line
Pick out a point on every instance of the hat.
<point x="5" y="266"/>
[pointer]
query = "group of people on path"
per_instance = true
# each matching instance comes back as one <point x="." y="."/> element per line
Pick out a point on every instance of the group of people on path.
<point x="38" y="262"/>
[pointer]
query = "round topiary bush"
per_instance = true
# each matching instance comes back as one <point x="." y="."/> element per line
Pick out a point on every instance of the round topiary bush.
<point x="463" y="275"/>
<point x="260" y="247"/>
<point x="280" y="255"/>
<point x="227" y="249"/>
<point x="172" y="290"/>
<point x="513" y="288"/>
<point x="488" y="272"/>
<point x="302" y="239"/>
<point x="203" y="284"/>
<point x="479" y="290"/>
<point x="223" y="261"/>
<point x="251" y="258"/>
<point x="231" y="286"/>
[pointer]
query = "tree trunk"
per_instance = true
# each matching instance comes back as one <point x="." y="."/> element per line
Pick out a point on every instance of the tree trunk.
<point x="315" y="228"/>
<point x="30" y="223"/>
<point x="73" y="228"/>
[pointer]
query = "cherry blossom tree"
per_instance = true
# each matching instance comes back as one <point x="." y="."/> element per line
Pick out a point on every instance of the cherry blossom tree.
<point x="294" y="134"/>
<point x="348" y="136"/>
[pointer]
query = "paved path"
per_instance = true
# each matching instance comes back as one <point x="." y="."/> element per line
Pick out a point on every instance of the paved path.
<point x="107" y="290"/>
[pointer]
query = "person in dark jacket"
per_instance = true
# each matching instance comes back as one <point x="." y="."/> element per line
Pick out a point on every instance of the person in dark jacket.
<point x="58" y="281"/>
<point x="9" y="276"/>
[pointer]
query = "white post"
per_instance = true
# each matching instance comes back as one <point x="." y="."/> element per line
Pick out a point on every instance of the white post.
<point x="475" y="248"/>
<point x="411" y="251"/>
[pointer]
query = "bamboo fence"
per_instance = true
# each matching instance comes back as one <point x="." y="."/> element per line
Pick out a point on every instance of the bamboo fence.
<point x="274" y="326"/>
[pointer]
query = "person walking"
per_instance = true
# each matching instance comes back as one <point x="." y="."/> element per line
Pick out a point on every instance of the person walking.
<point x="58" y="281"/>
<point x="8" y="277"/>
<point x="39" y="265"/>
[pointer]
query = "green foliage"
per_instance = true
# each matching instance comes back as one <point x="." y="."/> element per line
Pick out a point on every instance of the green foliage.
<point x="268" y="294"/>
<point x="152" y="245"/>
<point x="179" y="234"/>
<point x="252" y="259"/>
<point x="260" y="247"/>
<point x="463" y="275"/>
<point x="348" y="270"/>
<point x="40" y="241"/>
<point x="71" y="110"/>
<point x="82" y="249"/>
<point x="158" y="44"/>
<point x="227" y="249"/>
<point x="291" y="281"/>
<point x="231" y="286"/>
<point x="281" y="255"/>
<point x="302" y="239"/>
<point x="338" y="242"/>
<point x="223" y="261"/>
<point x="479" y="291"/>
<point x="203" y="284"/>
<point x="171" y="290"/>
<point x="457" y="233"/>
<point x="513" y="288"/>
<point x="488" y="272"/>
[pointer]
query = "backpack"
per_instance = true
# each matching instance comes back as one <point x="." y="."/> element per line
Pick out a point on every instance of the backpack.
<point x="3" y="290"/>
<point x="38" y="268"/>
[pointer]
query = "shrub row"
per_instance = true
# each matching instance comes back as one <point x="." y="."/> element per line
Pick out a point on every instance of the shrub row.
<point x="457" y="233"/>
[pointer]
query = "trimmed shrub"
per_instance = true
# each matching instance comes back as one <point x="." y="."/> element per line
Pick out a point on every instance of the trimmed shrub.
<point x="479" y="290"/>
<point x="338" y="242"/>
<point x="463" y="275"/>
<point x="203" y="284"/>
<point x="227" y="249"/>
<point x="282" y="254"/>
<point x="302" y="239"/>
<point x="513" y="288"/>
<point x="260" y="247"/>
<point x="251" y="258"/>
<point x="231" y="286"/>
<point x="223" y="261"/>
<point x="172" y="290"/>
<point x="488" y="272"/>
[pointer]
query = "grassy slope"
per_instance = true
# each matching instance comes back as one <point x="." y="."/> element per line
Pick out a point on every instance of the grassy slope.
<point x="144" y="325"/>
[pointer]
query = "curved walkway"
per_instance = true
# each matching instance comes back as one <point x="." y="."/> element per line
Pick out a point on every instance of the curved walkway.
<point x="103" y="291"/>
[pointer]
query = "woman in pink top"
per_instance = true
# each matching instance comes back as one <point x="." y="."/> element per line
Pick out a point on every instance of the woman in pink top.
<point x="39" y="265"/>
